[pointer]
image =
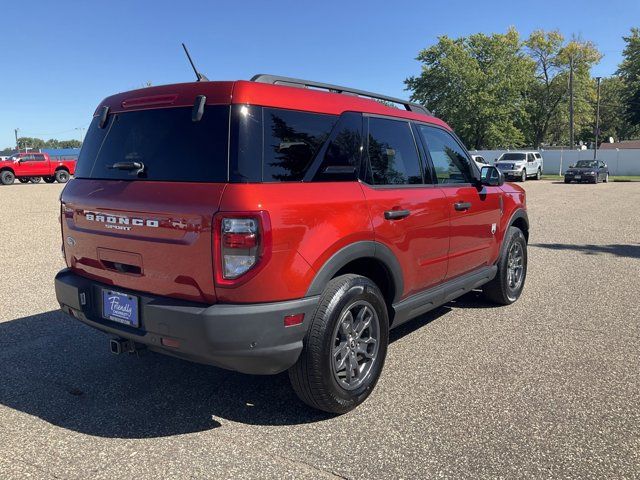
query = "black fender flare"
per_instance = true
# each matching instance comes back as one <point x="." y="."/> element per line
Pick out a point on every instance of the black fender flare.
<point x="519" y="213"/>
<point x="355" y="251"/>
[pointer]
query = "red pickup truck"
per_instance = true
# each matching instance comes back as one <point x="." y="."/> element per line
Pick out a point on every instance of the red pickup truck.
<point x="34" y="167"/>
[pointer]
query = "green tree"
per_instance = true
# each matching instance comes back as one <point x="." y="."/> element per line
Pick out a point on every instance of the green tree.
<point x="629" y="72"/>
<point x="478" y="85"/>
<point x="38" y="143"/>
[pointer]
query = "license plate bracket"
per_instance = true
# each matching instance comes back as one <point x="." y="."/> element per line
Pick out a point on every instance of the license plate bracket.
<point x="120" y="307"/>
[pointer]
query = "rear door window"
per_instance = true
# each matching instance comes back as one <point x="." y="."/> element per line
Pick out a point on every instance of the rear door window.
<point x="392" y="153"/>
<point x="341" y="158"/>
<point x="291" y="141"/>
<point x="166" y="141"/>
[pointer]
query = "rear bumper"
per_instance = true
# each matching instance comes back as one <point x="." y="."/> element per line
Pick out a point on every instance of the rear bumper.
<point x="246" y="338"/>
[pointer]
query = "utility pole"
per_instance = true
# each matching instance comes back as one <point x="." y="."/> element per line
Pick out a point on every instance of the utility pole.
<point x="595" y="148"/>
<point x="571" y="138"/>
<point x="16" y="132"/>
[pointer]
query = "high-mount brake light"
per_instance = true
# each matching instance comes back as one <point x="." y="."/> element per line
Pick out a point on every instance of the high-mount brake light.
<point x="241" y="241"/>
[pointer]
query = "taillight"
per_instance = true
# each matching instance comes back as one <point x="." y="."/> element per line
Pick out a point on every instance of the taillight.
<point x="241" y="243"/>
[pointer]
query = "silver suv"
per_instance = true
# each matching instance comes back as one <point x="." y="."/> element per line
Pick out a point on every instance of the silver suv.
<point x="520" y="165"/>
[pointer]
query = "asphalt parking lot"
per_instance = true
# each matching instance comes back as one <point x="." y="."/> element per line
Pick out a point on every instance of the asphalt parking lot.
<point x="548" y="387"/>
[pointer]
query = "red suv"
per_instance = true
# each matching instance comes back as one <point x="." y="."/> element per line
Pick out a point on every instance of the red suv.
<point x="259" y="226"/>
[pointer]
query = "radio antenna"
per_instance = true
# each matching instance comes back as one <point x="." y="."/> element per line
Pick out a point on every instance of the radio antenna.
<point x="199" y="76"/>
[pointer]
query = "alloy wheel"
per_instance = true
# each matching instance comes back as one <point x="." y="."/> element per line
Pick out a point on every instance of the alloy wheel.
<point x="515" y="266"/>
<point x="355" y="344"/>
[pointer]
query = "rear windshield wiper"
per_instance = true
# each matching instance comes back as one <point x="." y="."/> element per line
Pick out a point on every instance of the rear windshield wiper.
<point x="127" y="166"/>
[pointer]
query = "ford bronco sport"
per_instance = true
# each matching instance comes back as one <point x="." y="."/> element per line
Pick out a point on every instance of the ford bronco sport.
<point x="262" y="227"/>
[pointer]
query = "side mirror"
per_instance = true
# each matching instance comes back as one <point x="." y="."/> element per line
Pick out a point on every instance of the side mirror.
<point x="491" y="176"/>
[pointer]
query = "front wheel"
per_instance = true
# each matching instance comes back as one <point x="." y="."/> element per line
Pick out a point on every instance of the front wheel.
<point x="523" y="176"/>
<point x="62" y="176"/>
<point x="508" y="283"/>
<point x="538" y="174"/>
<point x="345" y="346"/>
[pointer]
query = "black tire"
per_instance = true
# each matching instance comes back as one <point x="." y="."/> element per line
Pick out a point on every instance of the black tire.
<point x="523" y="175"/>
<point x="24" y="179"/>
<point x="566" y="180"/>
<point x="49" y="179"/>
<point x="501" y="289"/>
<point x="538" y="174"/>
<point x="7" y="177"/>
<point x="315" y="377"/>
<point x="62" y="176"/>
<point x="35" y="179"/>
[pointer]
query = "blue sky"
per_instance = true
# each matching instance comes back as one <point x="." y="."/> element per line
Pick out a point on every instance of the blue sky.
<point x="61" y="58"/>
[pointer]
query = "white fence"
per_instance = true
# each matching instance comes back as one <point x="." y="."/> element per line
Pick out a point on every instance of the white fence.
<point x="620" y="162"/>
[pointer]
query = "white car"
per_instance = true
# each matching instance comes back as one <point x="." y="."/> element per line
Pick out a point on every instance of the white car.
<point x="480" y="161"/>
<point x="521" y="165"/>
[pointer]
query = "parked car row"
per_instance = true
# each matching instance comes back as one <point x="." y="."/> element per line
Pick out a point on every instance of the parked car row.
<point x="34" y="167"/>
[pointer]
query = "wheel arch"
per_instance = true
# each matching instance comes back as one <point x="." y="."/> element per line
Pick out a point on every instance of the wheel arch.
<point x="7" y="169"/>
<point x="61" y="167"/>
<point x="368" y="258"/>
<point x="520" y="219"/>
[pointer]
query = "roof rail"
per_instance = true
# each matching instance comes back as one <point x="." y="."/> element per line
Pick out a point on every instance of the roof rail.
<point x="296" y="82"/>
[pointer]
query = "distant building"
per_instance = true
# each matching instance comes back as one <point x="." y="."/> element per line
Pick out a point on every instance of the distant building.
<point x="623" y="145"/>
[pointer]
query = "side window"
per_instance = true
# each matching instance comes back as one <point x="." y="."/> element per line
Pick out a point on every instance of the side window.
<point x="39" y="158"/>
<point x="393" y="158"/>
<point x="530" y="157"/>
<point x="291" y="141"/>
<point x="450" y="161"/>
<point x="341" y="160"/>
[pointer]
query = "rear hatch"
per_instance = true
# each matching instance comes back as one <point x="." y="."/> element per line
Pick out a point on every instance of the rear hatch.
<point x="139" y="213"/>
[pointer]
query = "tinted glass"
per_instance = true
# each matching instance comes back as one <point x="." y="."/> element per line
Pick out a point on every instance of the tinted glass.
<point x="512" y="156"/>
<point x="450" y="161"/>
<point x="170" y="145"/>
<point x="291" y="141"/>
<point x="246" y="144"/>
<point x="341" y="160"/>
<point x="39" y="157"/>
<point x="393" y="158"/>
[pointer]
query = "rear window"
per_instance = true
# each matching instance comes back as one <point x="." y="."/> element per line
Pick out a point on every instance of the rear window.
<point x="166" y="141"/>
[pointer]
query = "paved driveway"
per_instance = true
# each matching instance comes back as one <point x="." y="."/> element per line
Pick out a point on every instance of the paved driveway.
<point x="548" y="387"/>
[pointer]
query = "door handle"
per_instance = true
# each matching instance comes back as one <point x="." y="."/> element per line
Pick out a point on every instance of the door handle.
<point x="462" y="206"/>
<point x="396" y="214"/>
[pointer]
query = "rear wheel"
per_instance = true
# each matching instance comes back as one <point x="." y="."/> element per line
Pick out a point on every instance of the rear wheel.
<point x="49" y="179"/>
<point x="23" y="179"/>
<point x="62" y="176"/>
<point x="508" y="283"/>
<point x="35" y="179"/>
<point x="538" y="174"/>
<point x="523" y="175"/>
<point x="345" y="346"/>
<point x="7" y="177"/>
<point x="606" y="178"/>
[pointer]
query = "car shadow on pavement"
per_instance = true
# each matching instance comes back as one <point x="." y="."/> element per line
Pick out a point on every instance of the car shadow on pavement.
<point x="61" y="371"/>
<point x="619" y="250"/>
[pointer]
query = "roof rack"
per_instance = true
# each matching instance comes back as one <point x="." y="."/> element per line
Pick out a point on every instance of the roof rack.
<point x="296" y="82"/>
